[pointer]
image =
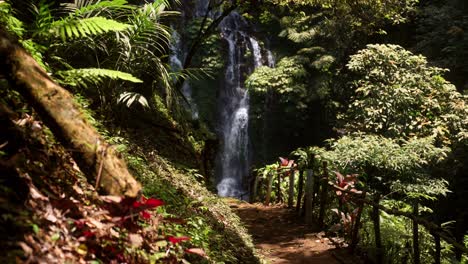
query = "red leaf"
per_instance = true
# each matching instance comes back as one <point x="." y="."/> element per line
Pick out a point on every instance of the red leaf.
<point x="152" y="203"/>
<point x="88" y="234"/>
<point x="145" y="215"/>
<point x="176" y="240"/>
<point x="284" y="162"/>
<point x="136" y="204"/>
<point x="80" y="223"/>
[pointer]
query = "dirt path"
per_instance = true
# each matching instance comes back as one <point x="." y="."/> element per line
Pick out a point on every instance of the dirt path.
<point x="282" y="237"/>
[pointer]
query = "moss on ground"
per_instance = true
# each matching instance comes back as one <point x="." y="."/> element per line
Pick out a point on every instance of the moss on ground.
<point x="207" y="218"/>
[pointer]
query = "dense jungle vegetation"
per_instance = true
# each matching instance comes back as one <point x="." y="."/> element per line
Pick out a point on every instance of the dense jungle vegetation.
<point x="105" y="157"/>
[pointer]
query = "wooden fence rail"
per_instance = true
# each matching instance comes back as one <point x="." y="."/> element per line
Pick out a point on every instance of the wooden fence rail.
<point x="315" y="193"/>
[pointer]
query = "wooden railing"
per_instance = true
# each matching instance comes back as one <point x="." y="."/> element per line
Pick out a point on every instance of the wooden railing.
<point x="316" y="199"/>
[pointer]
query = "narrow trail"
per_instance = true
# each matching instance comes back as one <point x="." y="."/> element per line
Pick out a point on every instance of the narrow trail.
<point x="282" y="237"/>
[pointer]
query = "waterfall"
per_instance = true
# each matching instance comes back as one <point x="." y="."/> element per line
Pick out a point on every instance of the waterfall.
<point x="270" y="59"/>
<point x="257" y="53"/>
<point x="233" y="160"/>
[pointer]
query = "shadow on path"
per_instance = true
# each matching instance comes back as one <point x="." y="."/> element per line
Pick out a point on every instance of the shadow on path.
<point x="282" y="237"/>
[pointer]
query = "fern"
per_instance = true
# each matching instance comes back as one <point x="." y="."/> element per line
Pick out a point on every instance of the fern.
<point x="83" y="77"/>
<point x="129" y="98"/>
<point x="11" y="23"/>
<point x="70" y="27"/>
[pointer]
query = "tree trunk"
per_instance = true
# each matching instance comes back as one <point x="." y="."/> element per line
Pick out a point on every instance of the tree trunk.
<point x="57" y="108"/>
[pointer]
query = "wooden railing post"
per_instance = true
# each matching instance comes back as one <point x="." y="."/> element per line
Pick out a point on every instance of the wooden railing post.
<point x="357" y="223"/>
<point x="376" y="221"/>
<point x="300" y="188"/>
<point x="315" y="190"/>
<point x="416" y="251"/>
<point x="323" y="194"/>
<point x="278" y="189"/>
<point x="269" y="186"/>
<point x="255" y="186"/>
<point x="291" y="188"/>
<point x="308" y="196"/>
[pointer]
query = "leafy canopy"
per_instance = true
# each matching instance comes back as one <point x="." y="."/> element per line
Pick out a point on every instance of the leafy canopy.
<point x="399" y="95"/>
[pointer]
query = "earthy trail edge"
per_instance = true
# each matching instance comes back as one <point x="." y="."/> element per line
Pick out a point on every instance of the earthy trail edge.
<point x="281" y="237"/>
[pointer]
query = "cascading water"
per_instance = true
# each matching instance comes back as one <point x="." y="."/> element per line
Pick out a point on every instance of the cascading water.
<point x="257" y="52"/>
<point x="233" y="160"/>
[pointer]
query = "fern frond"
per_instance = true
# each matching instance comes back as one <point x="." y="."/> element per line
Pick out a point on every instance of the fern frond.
<point x="70" y="27"/>
<point x="129" y="98"/>
<point x="310" y="51"/>
<point x="83" y="77"/>
<point x="304" y="36"/>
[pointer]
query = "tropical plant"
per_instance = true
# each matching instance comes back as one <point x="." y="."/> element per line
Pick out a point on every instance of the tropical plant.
<point x="399" y="95"/>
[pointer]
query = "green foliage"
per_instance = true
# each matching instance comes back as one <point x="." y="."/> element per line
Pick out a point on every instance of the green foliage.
<point x="197" y="209"/>
<point x="389" y="165"/>
<point x="83" y="77"/>
<point x="71" y="28"/>
<point x="395" y="11"/>
<point x="11" y="23"/>
<point x="91" y="8"/>
<point x="287" y="80"/>
<point x="355" y="153"/>
<point x="399" y="95"/>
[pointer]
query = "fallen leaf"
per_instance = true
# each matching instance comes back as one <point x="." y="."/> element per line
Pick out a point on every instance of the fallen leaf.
<point x="77" y="189"/>
<point x="82" y="249"/>
<point x="114" y="233"/>
<point x="96" y="223"/>
<point x="135" y="239"/>
<point x="196" y="251"/>
<point x="27" y="249"/>
<point x="111" y="199"/>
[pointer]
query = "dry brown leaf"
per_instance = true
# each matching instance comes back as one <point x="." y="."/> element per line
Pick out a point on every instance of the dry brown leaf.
<point x="196" y="251"/>
<point x="36" y="195"/>
<point x="135" y="239"/>
<point x="28" y="251"/>
<point x="96" y="223"/>
<point x="111" y="199"/>
<point x="114" y="233"/>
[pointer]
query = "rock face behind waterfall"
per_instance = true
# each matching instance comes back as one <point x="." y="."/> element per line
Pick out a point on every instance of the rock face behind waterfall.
<point x="233" y="158"/>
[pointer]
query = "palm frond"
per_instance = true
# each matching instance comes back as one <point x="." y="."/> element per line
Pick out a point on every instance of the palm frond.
<point x="83" y="77"/>
<point x="87" y="8"/>
<point x="71" y="27"/>
<point x="193" y="73"/>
